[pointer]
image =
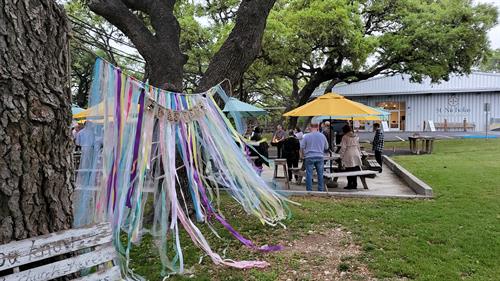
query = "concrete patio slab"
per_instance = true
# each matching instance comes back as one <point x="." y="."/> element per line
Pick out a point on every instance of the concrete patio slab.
<point x="385" y="185"/>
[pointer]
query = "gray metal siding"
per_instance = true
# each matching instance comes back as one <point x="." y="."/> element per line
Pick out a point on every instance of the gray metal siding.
<point x="437" y="107"/>
<point x="401" y="85"/>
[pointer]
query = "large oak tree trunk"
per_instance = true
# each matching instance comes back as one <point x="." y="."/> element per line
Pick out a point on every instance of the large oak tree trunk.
<point x="35" y="116"/>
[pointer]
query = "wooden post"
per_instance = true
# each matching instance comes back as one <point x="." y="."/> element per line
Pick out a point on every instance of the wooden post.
<point x="445" y="125"/>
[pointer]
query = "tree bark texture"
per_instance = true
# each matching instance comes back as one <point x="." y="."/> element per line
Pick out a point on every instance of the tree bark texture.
<point x="35" y="117"/>
<point x="242" y="46"/>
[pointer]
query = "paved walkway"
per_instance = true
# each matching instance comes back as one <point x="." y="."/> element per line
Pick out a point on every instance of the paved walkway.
<point x="385" y="184"/>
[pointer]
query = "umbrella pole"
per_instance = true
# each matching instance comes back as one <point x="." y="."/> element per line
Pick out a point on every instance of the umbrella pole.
<point x="330" y="144"/>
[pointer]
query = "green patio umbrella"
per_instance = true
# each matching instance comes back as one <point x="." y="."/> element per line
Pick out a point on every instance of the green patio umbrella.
<point x="75" y="109"/>
<point x="244" y="109"/>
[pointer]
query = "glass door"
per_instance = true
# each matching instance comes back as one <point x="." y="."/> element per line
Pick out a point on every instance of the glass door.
<point x="397" y="116"/>
<point x="394" y="120"/>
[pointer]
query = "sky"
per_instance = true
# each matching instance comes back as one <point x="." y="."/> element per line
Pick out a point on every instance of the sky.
<point x="494" y="33"/>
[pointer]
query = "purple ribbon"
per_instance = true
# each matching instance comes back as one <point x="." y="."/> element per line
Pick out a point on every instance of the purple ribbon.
<point x="112" y="179"/>
<point x="236" y="234"/>
<point x="137" y="143"/>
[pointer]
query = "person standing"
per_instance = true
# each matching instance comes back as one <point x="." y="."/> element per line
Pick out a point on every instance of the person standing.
<point x="85" y="139"/>
<point x="260" y="149"/>
<point x="378" y="144"/>
<point x="314" y="145"/>
<point x="329" y="134"/>
<point x="298" y="133"/>
<point x="350" y="154"/>
<point x="326" y="130"/>
<point x="75" y="130"/>
<point x="291" y="150"/>
<point x="278" y="138"/>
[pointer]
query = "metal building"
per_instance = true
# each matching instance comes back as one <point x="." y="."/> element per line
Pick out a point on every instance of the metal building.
<point x="410" y="104"/>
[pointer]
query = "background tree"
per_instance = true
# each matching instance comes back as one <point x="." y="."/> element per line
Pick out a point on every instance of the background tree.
<point x="93" y="36"/>
<point x="312" y="42"/>
<point x="491" y="63"/>
<point x="35" y="115"/>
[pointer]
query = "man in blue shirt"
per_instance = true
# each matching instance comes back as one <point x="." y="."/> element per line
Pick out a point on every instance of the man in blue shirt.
<point x="313" y="146"/>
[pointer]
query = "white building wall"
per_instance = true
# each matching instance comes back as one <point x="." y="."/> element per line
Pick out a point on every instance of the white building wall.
<point x="437" y="107"/>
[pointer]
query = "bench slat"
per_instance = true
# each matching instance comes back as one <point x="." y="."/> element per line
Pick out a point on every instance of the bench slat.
<point x="373" y="164"/>
<point x="111" y="274"/>
<point x="64" y="267"/>
<point x="349" y="174"/>
<point x="41" y="247"/>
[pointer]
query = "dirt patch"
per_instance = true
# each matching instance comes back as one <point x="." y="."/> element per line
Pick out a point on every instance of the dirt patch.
<point x="324" y="255"/>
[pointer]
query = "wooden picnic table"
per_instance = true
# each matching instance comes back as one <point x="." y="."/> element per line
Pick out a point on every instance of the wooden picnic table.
<point x="302" y="173"/>
<point x="427" y="144"/>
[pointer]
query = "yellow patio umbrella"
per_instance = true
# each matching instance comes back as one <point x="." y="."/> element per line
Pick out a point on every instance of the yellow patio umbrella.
<point x="96" y="111"/>
<point x="362" y="118"/>
<point x="334" y="105"/>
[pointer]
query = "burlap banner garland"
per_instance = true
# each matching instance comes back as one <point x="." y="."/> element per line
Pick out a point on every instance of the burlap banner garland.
<point x="175" y="116"/>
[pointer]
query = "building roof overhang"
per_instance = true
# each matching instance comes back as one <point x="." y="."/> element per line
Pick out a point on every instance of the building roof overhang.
<point x="400" y="84"/>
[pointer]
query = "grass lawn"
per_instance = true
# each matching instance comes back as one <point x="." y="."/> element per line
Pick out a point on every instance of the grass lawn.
<point x="455" y="236"/>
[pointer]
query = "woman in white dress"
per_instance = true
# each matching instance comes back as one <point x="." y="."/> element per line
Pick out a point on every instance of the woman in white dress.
<point x="350" y="154"/>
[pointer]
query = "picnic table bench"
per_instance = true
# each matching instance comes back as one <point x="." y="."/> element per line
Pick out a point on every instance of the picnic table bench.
<point x="454" y="126"/>
<point x="61" y="254"/>
<point x="372" y="165"/>
<point x="300" y="173"/>
<point x="361" y="174"/>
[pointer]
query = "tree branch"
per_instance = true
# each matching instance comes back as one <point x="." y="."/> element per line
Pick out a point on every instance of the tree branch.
<point x="242" y="45"/>
<point x="118" y="14"/>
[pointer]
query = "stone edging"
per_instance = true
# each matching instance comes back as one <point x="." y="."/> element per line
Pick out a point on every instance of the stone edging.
<point x="416" y="184"/>
<point x="347" y="194"/>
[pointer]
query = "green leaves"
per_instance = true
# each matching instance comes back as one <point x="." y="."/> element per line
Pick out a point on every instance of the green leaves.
<point x="320" y="40"/>
<point x="491" y="62"/>
<point x="343" y="40"/>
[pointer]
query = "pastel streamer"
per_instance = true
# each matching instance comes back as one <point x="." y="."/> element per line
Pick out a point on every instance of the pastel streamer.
<point x="144" y="138"/>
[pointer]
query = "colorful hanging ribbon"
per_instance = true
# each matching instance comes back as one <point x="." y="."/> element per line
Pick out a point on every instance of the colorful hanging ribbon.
<point x="147" y="137"/>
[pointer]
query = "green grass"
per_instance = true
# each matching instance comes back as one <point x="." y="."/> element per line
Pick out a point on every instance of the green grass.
<point x="455" y="236"/>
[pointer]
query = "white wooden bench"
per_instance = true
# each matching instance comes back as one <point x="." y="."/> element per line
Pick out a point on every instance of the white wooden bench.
<point x="61" y="254"/>
<point x="361" y="174"/>
<point x="454" y="126"/>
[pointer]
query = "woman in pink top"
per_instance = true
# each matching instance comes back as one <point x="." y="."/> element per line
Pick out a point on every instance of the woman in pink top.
<point x="350" y="154"/>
